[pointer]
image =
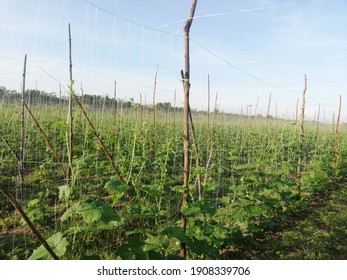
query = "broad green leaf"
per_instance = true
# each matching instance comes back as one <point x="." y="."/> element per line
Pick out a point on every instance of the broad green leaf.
<point x="97" y="211"/>
<point x="132" y="250"/>
<point x="209" y="187"/>
<point x="34" y="203"/>
<point x="199" y="207"/>
<point x="154" y="190"/>
<point x="175" y="232"/>
<point x="180" y="189"/>
<point x="116" y="186"/>
<point x="57" y="242"/>
<point x="191" y="210"/>
<point x="237" y="216"/>
<point x="153" y="245"/>
<point x="71" y="211"/>
<point x="207" y="207"/>
<point x="202" y="248"/>
<point x="225" y="200"/>
<point x="59" y="124"/>
<point x="64" y="192"/>
<point x="92" y="212"/>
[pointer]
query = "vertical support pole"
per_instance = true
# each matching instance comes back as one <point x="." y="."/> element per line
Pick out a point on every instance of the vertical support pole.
<point x="141" y="112"/>
<point x="337" y="146"/>
<point x="115" y="102"/>
<point x="70" y="117"/>
<point x="186" y="87"/>
<point x="302" y="139"/>
<point x="22" y="146"/>
<point x="154" y="112"/>
<point x="268" y="107"/>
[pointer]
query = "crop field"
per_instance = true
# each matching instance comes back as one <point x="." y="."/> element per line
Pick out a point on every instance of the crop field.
<point x="242" y="186"/>
<point x="86" y="176"/>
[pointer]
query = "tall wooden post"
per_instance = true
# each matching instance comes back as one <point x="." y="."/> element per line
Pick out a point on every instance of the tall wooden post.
<point x="22" y="147"/>
<point x="186" y="87"/>
<point x="337" y="146"/>
<point x="302" y="139"/>
<point x="70" y="117"/>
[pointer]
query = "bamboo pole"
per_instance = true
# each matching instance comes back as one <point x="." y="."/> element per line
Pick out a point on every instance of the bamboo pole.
<point x="208" y="144"/>
<point x="268" y="107"/>
<point x="70" y="116"/>
<point x="141" y="112"/>
<point x="108" y="155"/>
<point x="317" y="123"/>
<point x="22" y="147"/>
<point x="302" y="139"/>
<point x="154" y="112"/>
<point x="210" y="151"/>
<point x="35" y="231"/>
<point x="186" y="86"/>
<point x="297" y="114"/>
<point x="174" y="112"/>
<point x="115" y="102"/>
<point x="337" y="146"/>
<point x="11" y="148"/>
<point x="49" y="144"/>
<point x="196" y="151"/>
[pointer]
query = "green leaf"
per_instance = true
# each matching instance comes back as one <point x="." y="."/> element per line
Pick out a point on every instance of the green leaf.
<point x="207" y="207"/>
<point x="191" y="210"/>
<point x="154" y="190"/>
<point x="34" y="203"/>
<point x="59" y="124"/>
<point x="153" y="245"/>
<point x="97" y="211"/>
<point x="175" y="232"/>
<point x="116" y="186"/>
<point x="209" y="187"/>
<point x="199" y="207"/>
<point x="180" y="189"/>
<point x="57" y="242"/>
<point x="73" y="210"/>
<point x="64" y="192"/>
<point x="237" y="216"/>
<point x="92" y="211"/>
<point x="225" y="199"/>
<point x="132" y="250"/>
<point x="202" y="248"/>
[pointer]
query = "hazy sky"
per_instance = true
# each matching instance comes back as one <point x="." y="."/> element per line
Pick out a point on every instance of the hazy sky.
<point x="250" y="48"/>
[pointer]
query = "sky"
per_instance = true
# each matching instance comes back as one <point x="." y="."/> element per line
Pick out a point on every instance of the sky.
<point x="250" y="49"/>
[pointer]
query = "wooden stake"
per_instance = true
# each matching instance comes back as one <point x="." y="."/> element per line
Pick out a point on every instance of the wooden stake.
<point x="317" y="124"/>
<point x="141" y="112"/>
<point x="208" y="144"/>
<point x="336" y="151"/>
<point x="154" y="112"/>
<point x="10" y="147"/>
<point x="22" y="148"/>
<point x="268" y="107"/>
<point x="70" y="117"/>
<point x="196" y="150"/>
<point x="302" y="139"/>
<point x="209" y="140"/>
<point x="49" y="144"/>
<point x="115" y="102"/>
<point x="34" y="230"/>
<point x="186" y="86"/>
<point x="174" y="111"/>
<point x="297" y="114"/>
<point x="108" y="155"/>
